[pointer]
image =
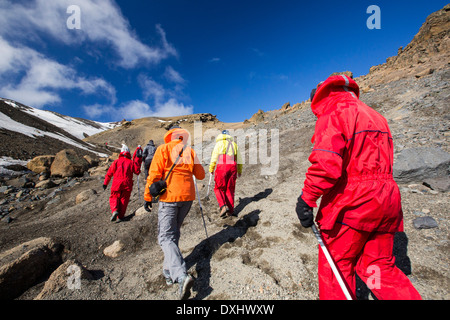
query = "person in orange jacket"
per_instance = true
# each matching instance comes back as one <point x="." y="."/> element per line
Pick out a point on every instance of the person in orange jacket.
<point x="175" y="203"/>
<point x="121" y="171"/>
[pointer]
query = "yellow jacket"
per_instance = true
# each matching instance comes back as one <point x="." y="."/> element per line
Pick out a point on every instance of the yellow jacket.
<point x="222" y="147"/>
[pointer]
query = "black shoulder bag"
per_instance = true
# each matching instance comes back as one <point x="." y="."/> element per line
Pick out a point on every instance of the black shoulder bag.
<point x="158" y="188"/>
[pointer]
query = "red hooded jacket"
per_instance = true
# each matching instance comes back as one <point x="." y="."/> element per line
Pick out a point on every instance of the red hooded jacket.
<point x="122" y="169"/>
<point x="351" y="162"/>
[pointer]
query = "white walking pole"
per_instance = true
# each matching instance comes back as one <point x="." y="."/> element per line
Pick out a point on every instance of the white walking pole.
<point x="331" y="262"/>
<point x="201" y="209"/>
<point x="209" y="184"/>
<point x="138" y="184"/>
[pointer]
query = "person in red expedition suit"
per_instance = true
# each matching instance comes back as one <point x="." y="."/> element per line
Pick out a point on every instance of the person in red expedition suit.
<point x="360" y="210"/>
<point x="227" y="162"/>
<point x="121" y="171"/>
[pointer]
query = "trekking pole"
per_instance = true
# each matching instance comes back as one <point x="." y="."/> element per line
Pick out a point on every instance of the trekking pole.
<point x="331" y="262"/>
<point x="209" y="184"/>
<point x="138" y="184"/>
<point x="139" y="188"/>
<point x="201" y="209"/>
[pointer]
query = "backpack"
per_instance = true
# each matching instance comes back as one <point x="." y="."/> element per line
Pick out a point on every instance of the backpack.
<point x="149" y="152"/>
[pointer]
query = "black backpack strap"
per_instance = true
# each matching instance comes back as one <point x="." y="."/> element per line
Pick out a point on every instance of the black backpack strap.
<point x="170" y="171"/>
<point x="232" y="147"/>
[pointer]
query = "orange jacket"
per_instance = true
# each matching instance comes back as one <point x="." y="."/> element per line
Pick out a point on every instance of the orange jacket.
<point x="180" y="185"/>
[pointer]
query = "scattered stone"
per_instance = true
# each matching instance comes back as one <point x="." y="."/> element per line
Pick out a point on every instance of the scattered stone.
<point x="45" y="184"/>
<point x="40" y="164"/>
<point x="114" y="250"/>
<point x="441" y="184"/>
<point x="141" y="212"/>
<point x="98" y="171"/>
<point x="424" y="72"/>
<point x="93" y="162"/>
<point x="426" y="222"/>
<point x="85" y="195"/>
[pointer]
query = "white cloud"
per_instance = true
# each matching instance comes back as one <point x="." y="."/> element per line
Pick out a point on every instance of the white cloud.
<point x="137" y="109"/>
<point x="43" y="77"/>
<point x="151" y="89"/>
<point x="35" y="79"/>
<point x="173" y="76"/>
<point x="134" y="110"/>
<point x="102" y="22"/>
<point x="97" y="110"/>
<point x="173" y="108"/>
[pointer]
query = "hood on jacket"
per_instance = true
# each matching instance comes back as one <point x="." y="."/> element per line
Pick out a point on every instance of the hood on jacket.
<point x="177" y="133"/>
<point x="125" y="154"/>
<point x="329" y="89"/>
<point x="222" y="136"/>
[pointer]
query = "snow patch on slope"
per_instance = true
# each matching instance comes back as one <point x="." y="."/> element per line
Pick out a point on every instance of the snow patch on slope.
<point x="71" y="125"/>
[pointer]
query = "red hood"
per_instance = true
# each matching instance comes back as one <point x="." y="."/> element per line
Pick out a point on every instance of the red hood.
<point x="125" y="154"/>
<point x="329" y="90"/>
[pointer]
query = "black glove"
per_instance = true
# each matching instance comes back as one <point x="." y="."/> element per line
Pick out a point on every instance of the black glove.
<point x="304" y="213"/>
<point x="147" y="205"/>
<point x="104" y="186"/>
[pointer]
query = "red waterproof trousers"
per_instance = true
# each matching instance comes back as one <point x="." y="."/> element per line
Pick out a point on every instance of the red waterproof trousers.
<point x="118" y="201"/>
<point x="225" y="181"/>
<point x="369" y="254"/>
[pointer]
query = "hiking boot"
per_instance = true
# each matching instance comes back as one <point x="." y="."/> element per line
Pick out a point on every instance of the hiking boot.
<point x="223" y="211"/>
<point x="166" y="275"/>
<point x="185" y="284"/>
<point x="114" y="216"/>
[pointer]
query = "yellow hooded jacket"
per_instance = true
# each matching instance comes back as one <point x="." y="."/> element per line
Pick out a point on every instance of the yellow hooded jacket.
<point x="222" y="147"/>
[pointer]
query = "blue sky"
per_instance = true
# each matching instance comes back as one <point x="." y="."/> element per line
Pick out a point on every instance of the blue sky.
<point x="133" y="58"/>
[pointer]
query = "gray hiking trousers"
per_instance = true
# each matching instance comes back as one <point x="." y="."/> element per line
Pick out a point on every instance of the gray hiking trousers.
<point x="170" y="218"/>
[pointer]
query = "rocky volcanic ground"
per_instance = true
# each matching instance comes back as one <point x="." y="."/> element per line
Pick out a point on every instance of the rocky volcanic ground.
<point x="263" y="253"/>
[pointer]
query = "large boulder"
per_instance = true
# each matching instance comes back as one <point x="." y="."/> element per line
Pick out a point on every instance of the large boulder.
<point x="418" y="164"/>
<point x="22" y="266"/>
<point x="68" y="164"/>
<point x="68" y="276"/>
<point x="40" y="164"/>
